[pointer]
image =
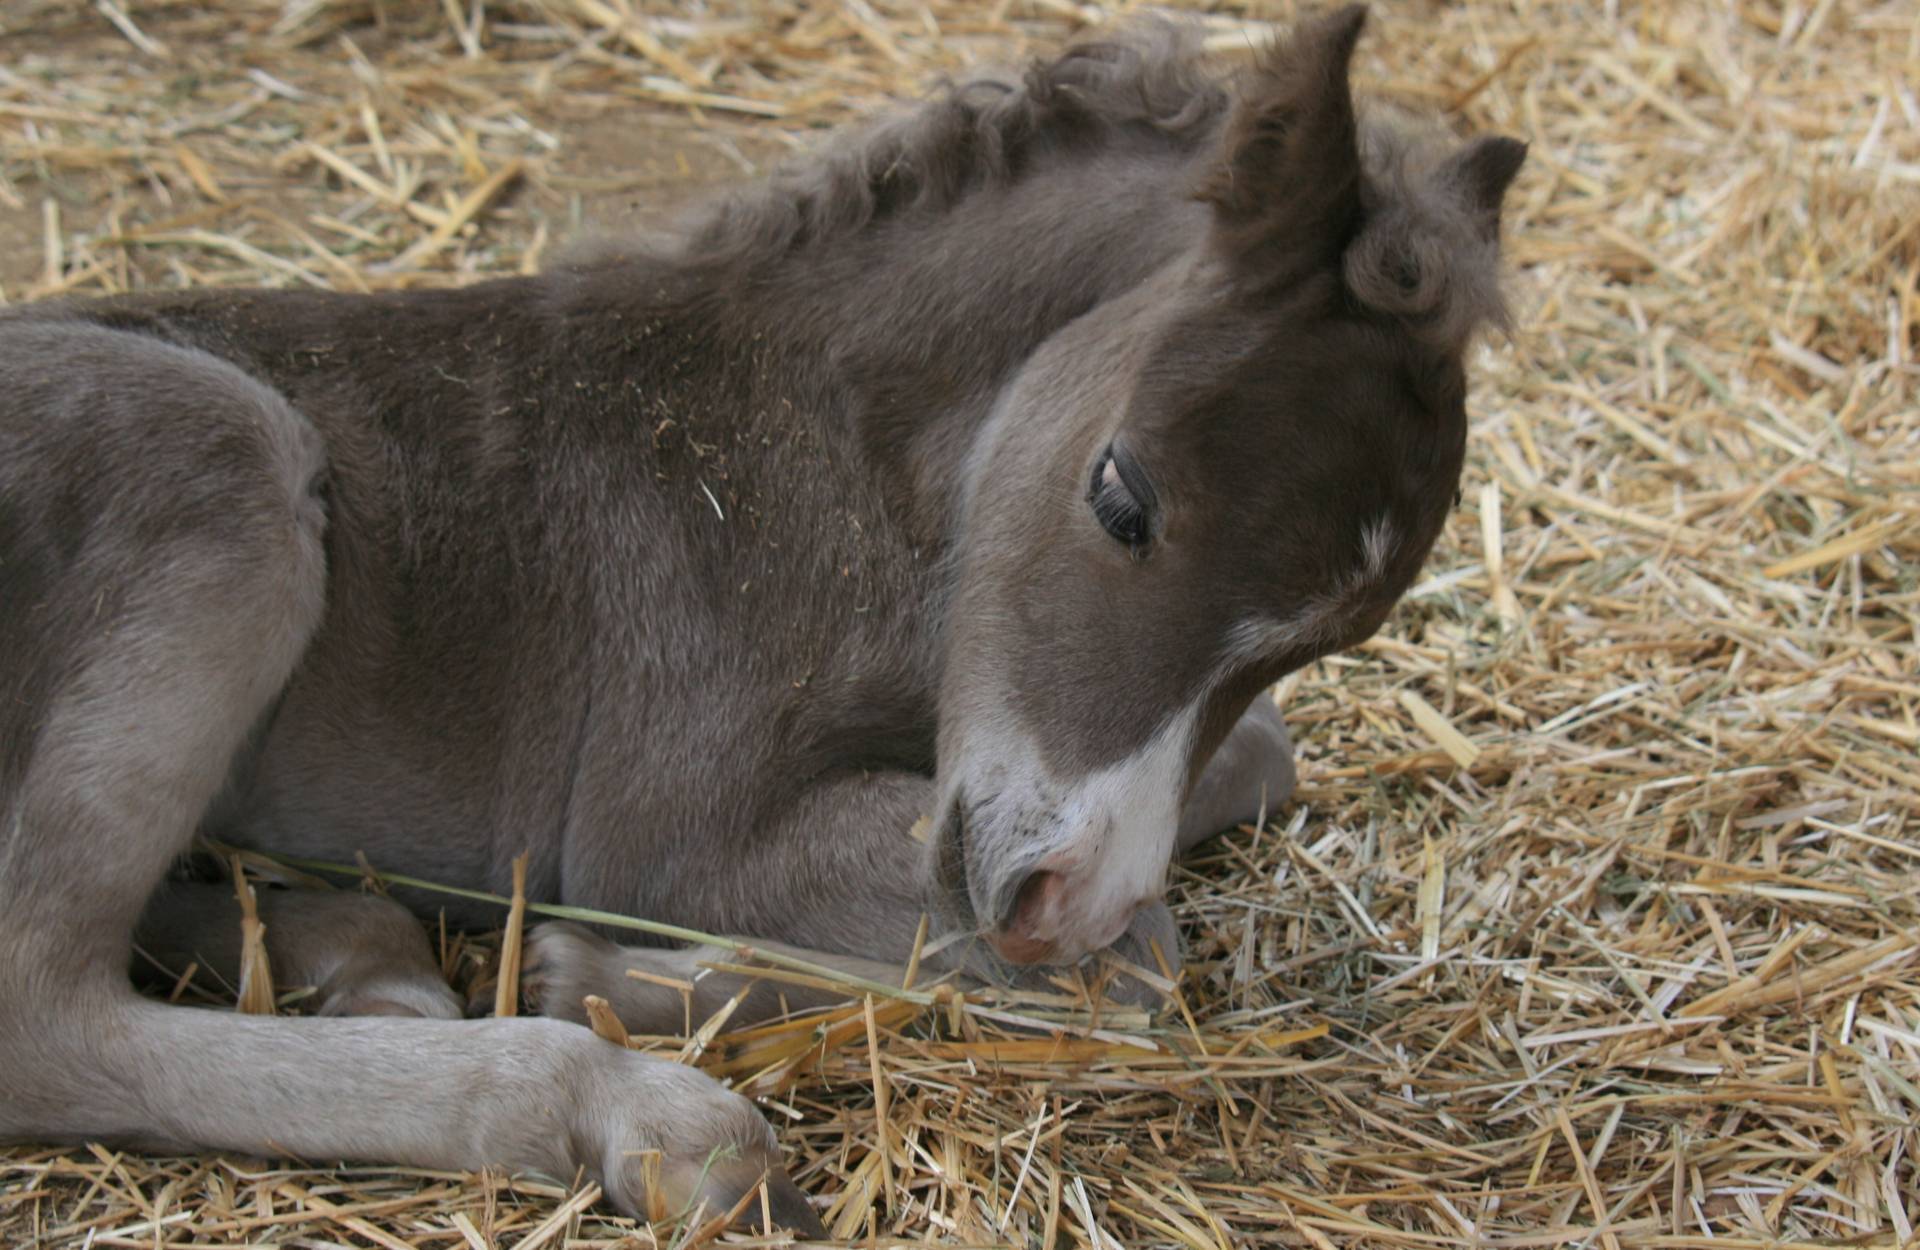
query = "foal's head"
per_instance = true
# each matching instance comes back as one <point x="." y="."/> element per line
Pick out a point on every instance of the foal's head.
<point x="1201" y="486"/>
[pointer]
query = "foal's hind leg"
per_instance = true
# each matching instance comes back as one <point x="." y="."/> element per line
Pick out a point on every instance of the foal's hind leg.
<point x="160" y="573"/>
<point x="363" y="955"/>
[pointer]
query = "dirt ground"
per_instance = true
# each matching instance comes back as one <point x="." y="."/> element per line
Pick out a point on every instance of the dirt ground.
<point x="604" y="162"/>
<point x="1596" y="921"/>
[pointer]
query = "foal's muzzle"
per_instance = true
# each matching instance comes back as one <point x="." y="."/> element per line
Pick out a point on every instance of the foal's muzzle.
<point x="1050" y="872"/>
<point x="1047" y="924"/>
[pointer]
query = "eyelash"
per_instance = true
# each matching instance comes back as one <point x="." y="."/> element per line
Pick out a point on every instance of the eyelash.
<point x="1125" y="507"/>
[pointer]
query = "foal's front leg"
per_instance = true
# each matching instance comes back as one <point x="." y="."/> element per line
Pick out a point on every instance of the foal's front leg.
<point x="868" y="905"/>
<point x="838" y="883"/>
<point x="1249" y="777"/>
<point x="667" y="991"/>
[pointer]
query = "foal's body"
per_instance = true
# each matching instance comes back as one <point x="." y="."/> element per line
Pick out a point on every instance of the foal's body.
<point x="613" y="574"/>
<point x="702" y="573"/>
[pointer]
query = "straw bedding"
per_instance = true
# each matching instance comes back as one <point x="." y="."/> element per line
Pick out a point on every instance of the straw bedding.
<point x="1597" y="919"/>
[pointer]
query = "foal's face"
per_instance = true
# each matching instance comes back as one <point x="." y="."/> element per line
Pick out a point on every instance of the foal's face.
<point x="1200" y="486"/>
<point x="1187" y="495"/>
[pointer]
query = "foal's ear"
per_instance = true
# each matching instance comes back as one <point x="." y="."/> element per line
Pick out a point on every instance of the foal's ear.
<point x="1483" y="170"/>
<point x="1286" y="192"/>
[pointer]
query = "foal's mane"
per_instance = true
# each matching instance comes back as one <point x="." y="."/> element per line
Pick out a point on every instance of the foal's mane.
<point x="1423" y="252"/>
<point x="1144" y="83"/>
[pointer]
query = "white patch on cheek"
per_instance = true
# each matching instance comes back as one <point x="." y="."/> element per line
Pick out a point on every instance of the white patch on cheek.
<point x="1258" y="639"/>
<point x="1377" y="541"/>
<point x="1321" y="619"/>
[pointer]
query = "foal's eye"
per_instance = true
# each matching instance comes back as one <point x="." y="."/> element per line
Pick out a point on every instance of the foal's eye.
<point x="1121" y="498"/>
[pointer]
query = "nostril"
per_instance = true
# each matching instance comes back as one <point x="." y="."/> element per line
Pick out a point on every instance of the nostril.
<point x="1038" y="894"/>
<point x="1027" y="934"/>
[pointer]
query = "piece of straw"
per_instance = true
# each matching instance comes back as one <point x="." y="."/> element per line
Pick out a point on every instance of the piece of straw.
<point x="256" y="996"/>
<point x="506" y="990"/>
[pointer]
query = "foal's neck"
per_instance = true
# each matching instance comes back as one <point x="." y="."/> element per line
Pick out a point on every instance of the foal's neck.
<point x="922" y="320"/>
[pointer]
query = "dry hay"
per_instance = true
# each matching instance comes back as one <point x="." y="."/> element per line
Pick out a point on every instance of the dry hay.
<point x="1597" y="920"/>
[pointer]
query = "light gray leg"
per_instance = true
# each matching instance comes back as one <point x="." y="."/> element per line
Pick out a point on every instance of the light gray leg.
<point x="362" y="955"/>
<point x="564" y="963"/>
<point x="851" y="902"/>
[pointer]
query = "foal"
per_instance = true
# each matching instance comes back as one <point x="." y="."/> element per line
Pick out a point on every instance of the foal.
<point x="985" y="471"/>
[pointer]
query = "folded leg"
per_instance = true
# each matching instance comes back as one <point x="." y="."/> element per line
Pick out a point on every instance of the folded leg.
<point x="870" y="933"/>
<point x="362" y="955"/>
